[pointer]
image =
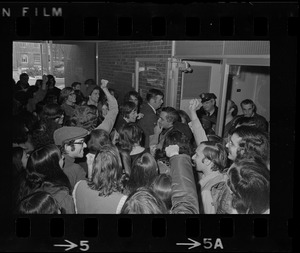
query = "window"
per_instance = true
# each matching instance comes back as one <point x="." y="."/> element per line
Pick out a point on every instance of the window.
<point x="37" y="58"/>
<point x="24" y="58"/>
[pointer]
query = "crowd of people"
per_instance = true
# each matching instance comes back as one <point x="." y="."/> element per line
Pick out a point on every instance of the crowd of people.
<point x="79" y="151"/>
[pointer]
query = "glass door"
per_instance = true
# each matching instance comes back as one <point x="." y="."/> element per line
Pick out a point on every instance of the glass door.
<point x="150" y="73"/>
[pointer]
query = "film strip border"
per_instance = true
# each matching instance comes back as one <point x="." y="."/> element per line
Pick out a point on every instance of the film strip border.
<point x="148" y="21"/>
<point x="276" y="22"/>
<point x="152" y="233"/>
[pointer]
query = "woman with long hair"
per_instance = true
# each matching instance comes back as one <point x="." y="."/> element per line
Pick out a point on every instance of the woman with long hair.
<point x="43" y="172"/>
<point x="51" y="118"/>
<point x="130" y="138"/>
<point x="144" y="201"/>
<point x="162" y="186"/>
<point x="103" y="193"/>
<point x="144" y="170"/>
<point x="39" y="202"/>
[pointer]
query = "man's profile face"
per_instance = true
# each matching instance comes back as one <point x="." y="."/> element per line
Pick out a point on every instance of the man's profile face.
<point x="198" y="157"/>
<point x="158" y="101"/>
<point x="248" y="110"/>
<point x="79" y="146"/>
<point x="162" y="121"/>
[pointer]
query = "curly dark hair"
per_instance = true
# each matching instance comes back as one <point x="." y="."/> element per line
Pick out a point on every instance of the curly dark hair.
<point x="250" y="183"/>
<point x="84" y="116"/>
<point x="176" y="137"/>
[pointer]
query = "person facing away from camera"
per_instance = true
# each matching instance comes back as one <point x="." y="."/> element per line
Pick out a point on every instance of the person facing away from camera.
<point x="183" y="117"/>
<point x="103" y="193"/>
<point x="130" y="138"/>
<point x="39" y="202"/>
<point x="51" y="118"/>
<point x="37" y="94"/>
<point x="144" y="170"/>
<point x="97" y="139"/>
<point x="184" y="191"/>
<point x="52" y="90"/>
<point x="162" y="187"/>
<point x="44" y="173"/>
<point x="89" y="85"/>
<point x="249" y="183"/>
<point x="143" y="201"/>
<point x="174" y="137"/>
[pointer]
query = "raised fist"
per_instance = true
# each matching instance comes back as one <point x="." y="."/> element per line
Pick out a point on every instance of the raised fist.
<point x="194" y="104"/>
<point x="104" y="83"/>
<point x="172" y="150"/>
<point x="45" y="78"/>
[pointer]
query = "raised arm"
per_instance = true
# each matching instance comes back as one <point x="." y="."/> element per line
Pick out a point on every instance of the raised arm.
<point x="109" y="120"/>
<point x="197" y="128"/>
<point x="45" y="80"/>
<point x="184" y="192"/>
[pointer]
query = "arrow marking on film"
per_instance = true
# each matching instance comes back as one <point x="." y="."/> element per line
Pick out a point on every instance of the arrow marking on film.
<point x="193" y="245"/>
<point x="71" y="245"/>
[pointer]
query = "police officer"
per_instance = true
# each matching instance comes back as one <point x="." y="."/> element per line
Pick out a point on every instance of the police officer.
<point x="208" y="112"/>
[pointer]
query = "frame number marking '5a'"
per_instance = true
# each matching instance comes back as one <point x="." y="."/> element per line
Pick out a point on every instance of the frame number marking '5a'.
<point x="206" y="243"/>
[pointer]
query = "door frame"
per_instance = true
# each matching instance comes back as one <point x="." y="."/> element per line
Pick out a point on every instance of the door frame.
<point x="226" y="63"/>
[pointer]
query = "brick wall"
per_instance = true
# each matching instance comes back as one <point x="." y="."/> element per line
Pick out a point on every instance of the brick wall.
<point x="119" y="56"/>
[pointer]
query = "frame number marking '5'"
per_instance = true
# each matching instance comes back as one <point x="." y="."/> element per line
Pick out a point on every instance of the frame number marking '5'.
<point x="84" y="245"/>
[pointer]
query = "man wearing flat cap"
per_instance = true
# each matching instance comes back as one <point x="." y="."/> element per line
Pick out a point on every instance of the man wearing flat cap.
<point x="71" y="142"/>
<point x="208" y="112"/>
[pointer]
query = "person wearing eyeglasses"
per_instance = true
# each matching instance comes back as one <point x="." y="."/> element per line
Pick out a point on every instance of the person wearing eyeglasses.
<point x="71" y="142"/>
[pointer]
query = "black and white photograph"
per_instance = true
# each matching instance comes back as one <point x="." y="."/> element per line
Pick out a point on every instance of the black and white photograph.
<point x="142" y="127"/>
<point x="148" y="127"/>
